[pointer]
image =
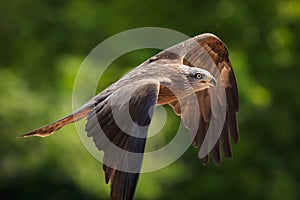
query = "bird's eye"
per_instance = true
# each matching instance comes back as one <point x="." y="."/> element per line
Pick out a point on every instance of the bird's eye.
<point x="198" y="75"/>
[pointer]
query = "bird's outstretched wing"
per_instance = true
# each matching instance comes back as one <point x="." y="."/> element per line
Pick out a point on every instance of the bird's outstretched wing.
<point x="208" y="52"/>
<point x="119" y="126"/>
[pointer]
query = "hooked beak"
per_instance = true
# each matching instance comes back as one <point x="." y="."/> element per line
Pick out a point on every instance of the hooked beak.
<point x="212" y="82"/>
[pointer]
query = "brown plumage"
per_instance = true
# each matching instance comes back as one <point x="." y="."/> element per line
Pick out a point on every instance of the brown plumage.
<point x="169" y="77"/>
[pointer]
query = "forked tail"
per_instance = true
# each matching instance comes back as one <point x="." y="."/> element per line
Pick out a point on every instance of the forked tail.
<point x="53" y="127"/>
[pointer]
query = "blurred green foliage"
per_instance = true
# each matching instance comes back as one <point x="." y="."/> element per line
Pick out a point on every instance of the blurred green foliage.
<point x="43" y="44"/>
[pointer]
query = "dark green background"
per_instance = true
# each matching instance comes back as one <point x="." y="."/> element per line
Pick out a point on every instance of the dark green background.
<point x="43" y="44"/>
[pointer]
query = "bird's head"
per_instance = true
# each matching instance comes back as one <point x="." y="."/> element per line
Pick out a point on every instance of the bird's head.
<point x="199" y="79"/>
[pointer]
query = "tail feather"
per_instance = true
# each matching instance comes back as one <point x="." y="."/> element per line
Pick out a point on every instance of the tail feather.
<point x="53" y="127"/>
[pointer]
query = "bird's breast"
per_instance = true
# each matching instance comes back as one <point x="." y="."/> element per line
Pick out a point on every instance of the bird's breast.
<point x="165" y="95"/>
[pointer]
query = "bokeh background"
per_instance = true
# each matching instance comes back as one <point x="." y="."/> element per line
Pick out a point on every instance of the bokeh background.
<point x="43" y="44"/>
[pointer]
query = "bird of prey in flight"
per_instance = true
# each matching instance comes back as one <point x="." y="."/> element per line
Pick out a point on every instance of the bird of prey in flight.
<point x="182" y="76"/>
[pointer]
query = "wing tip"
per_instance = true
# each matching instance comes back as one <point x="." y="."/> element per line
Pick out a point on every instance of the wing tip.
<point x="35" y="133"/>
